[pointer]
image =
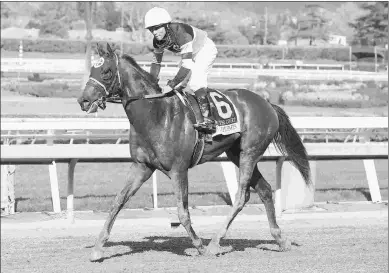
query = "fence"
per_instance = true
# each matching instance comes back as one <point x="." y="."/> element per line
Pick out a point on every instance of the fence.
<point x="224" y="70"/>
<point x="355" y="134"/>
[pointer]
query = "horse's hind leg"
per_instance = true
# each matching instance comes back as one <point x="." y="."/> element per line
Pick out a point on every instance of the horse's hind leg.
<point x="139" y="173"/>
<point x="242" y="197"/>
<point x="263" y="188"/>
<point x="264" y="191"/>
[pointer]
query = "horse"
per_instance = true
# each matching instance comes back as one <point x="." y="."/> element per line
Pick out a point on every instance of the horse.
<point x="162" y="137"/>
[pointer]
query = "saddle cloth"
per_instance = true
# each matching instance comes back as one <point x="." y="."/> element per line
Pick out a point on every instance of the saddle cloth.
<point x="223" y="111"/>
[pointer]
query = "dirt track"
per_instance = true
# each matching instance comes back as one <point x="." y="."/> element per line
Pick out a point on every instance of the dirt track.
<point x="341" y="243"/>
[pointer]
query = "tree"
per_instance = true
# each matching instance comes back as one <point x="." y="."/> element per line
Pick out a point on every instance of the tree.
<point x="52" y="28"/>
<point x="85" y="9"/>
<point x="107" y="16"/>
<point x="288" y="26"/>
<point x="54" y="18"/>
<point x="313" y="24"/>
<point x="16" y="14"/>
<point x="372" y="27"/>
<point x="63" y="12"/>
<point x="133" y="19"/>
<point x="253" y="33"/>
<point x="341" y="17"/>
<point x="5" y="11"/>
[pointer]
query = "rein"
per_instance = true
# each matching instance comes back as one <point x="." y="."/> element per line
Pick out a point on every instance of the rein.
<point x="115" y="98"/>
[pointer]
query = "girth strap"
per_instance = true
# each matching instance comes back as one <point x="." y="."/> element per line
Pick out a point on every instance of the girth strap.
<point x="197" y="151"/>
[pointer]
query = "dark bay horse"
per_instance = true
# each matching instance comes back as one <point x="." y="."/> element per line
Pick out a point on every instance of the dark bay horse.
<point x="162" y="137"/>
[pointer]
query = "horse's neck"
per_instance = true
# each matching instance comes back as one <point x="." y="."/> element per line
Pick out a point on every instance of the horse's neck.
<point x="137" y="84"/>
<point x="149" y="111"/>
<point x="152" y="118"/>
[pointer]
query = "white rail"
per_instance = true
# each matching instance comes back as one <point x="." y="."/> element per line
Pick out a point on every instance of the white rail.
<point x="225" y="70"/>
<point x="123" y="124"/>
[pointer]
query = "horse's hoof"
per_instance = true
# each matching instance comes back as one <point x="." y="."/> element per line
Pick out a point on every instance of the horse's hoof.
<point x="285" y="245"/>
<point x="212" y="250"/>
<point x="96" y="255"/>
<point x="202" y="250"/>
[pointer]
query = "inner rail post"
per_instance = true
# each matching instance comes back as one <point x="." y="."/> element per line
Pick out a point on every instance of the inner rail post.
<point x="70" y="197"/>
<point x="277" y="194"/>
<point x="155" y="190"/>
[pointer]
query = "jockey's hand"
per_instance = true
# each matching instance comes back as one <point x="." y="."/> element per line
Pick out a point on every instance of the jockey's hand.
<point x="166" y="89"/>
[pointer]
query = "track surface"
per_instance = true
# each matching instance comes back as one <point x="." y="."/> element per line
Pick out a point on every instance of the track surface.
<point x="321" y="242"/>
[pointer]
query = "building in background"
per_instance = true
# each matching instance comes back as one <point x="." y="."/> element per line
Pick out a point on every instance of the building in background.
<point x="337" y="40"/>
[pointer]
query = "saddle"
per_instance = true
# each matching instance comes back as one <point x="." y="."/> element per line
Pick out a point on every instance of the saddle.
<point x="223" y="112"/>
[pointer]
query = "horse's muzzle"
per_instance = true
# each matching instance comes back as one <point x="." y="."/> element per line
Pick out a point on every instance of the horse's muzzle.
<point x="91" y="107"/>
<point x="85" y="104"/>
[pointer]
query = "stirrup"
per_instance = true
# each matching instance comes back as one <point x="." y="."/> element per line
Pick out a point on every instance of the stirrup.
<point x="209" y="127"/>
<point x="208" y="138"/>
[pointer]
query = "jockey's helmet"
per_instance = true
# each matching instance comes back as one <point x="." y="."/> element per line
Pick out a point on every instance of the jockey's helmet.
<point x="157" y="16"/>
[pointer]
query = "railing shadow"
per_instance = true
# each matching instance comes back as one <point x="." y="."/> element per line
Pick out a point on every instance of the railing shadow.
<point x="18" y="199"/>
<point x="364" y="191"/>
<point x="182" y="245"/>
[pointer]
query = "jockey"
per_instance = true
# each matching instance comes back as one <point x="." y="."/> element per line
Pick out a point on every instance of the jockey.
<point x="197" y="51"/>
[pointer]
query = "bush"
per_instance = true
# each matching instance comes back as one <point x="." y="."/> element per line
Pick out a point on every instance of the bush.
<point x="35" y="78"/>
<point x="331" y="93"/>
<point x="363" y="97"/>
<point x="64" y="46"/>
<point x="313" y="53"/>
<point x="376" y="95"/>
<point x="224" y="51"/>
<point x="33" y="24"/>
<point x="50" y="89"/>
<point x="53" y="28"/>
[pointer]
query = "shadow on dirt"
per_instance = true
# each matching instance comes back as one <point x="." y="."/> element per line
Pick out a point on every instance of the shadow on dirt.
<point x="364" y="191"/>
<point x="182" y="245"/>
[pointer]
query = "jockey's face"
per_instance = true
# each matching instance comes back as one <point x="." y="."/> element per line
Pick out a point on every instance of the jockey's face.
<point x="159" y="32"/>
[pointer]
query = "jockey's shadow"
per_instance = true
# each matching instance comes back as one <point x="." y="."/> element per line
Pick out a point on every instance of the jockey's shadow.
<point x="182" y="245"/>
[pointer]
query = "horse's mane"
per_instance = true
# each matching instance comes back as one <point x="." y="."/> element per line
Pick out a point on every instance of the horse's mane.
<point x="146" y="75"/>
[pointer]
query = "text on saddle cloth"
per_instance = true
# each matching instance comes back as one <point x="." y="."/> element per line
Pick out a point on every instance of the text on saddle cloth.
<point x="224" y="112"/>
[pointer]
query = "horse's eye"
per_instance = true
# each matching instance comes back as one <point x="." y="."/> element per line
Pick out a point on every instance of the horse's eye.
<point x="106" y="75"/>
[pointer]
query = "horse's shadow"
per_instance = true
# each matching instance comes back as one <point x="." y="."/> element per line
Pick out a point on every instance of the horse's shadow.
<point x="182" y="245"/>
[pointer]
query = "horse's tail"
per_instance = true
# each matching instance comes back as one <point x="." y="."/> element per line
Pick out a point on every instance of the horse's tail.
<point x="288" y="142"/>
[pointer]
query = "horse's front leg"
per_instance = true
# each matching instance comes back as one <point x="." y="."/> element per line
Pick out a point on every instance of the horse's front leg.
<point x="139" y="173"/>
<point x="181" y="191"/>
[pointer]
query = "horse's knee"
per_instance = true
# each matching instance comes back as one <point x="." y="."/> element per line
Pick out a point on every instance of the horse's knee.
<point x="247" y="196"/>
<point x="243" y="197"/>
<point x="267" y="195"/>
<point x="242" y="201"/>
<point x="183" y="216"/>
<point x="264" y="190"/>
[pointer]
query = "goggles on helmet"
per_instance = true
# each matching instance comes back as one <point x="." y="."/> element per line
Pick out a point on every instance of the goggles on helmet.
<point x="152" y="28"/>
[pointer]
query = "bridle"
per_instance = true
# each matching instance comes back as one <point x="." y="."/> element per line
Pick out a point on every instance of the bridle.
<point x="114" y="98"/>
<point x="109" y="96"/>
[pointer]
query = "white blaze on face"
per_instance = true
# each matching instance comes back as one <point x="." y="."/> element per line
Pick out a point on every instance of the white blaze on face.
<point x="99" y="62"/>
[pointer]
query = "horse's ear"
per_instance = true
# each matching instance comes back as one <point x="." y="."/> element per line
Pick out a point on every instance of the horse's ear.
<point x="100" y="50"/>
<point x="110" y="51"/>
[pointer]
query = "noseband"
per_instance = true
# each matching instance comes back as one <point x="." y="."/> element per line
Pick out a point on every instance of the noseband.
<point x="100" y="102"/>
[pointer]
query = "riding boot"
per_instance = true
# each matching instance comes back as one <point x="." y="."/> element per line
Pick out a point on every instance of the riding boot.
<point x="206" y="125"/>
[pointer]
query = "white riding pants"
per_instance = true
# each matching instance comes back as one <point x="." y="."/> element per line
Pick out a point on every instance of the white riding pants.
<point x="203" y="61"/>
